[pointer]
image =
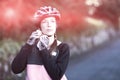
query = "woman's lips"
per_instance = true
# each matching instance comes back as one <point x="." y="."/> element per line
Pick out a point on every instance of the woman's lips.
<point x="49" y="29"/>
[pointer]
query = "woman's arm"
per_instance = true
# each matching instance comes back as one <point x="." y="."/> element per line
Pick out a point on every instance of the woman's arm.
<point x="56" y="68"/>
<point x="20" y="61"/>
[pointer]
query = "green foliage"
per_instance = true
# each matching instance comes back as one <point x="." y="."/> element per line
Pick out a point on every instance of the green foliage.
<point x="8" y="49"/>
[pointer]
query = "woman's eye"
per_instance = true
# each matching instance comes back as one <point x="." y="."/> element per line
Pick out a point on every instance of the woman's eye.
<point x="52" y="21"/>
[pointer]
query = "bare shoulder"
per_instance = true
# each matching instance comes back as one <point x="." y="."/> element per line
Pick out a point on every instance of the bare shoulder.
<point x="58" y="42"/>
<point x="64" y="44"/>
<point x="63" y="48"/>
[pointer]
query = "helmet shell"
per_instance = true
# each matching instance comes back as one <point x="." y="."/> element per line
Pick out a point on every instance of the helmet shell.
<point x="46" y="11"/>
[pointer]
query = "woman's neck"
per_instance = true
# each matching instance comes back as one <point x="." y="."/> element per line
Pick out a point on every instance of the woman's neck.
<point x="51" y="40"/>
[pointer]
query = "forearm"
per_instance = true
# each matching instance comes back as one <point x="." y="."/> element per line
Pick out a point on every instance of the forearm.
<point x="20" y="61"/>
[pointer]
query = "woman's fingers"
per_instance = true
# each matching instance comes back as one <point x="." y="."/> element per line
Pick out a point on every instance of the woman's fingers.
<point x="44" y="39"/>
<point x="34" y="36"/>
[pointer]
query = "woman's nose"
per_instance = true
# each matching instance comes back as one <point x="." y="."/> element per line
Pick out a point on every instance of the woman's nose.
<point x="48" y="23"/>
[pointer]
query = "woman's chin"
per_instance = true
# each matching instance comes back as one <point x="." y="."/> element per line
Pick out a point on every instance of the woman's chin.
<point x="49" y="34"/>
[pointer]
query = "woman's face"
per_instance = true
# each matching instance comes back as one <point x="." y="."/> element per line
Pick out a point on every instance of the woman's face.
<point x="48" y="26"/>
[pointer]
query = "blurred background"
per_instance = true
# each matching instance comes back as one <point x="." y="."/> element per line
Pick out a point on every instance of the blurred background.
<point x="90" y="27"/>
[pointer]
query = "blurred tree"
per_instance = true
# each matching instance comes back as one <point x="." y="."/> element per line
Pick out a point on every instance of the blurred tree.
<point x="8" y="49"/>
<point x="110" y="10"/>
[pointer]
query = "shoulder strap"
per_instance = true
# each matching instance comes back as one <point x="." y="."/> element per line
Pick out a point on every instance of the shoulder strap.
<point x="53" y="46"/>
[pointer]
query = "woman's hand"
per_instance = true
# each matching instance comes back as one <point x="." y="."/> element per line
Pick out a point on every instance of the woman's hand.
<point x="43" y="42"/>
<point x="34" y="36"/>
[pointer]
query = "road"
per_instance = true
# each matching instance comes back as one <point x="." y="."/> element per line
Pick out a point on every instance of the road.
<point x="101" y="63"/>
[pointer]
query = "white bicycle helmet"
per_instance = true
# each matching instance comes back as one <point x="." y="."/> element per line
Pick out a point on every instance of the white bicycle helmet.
<point x="46" y="11"/>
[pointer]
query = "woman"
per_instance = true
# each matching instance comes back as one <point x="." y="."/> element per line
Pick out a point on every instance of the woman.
<point x="43" y="56"/>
